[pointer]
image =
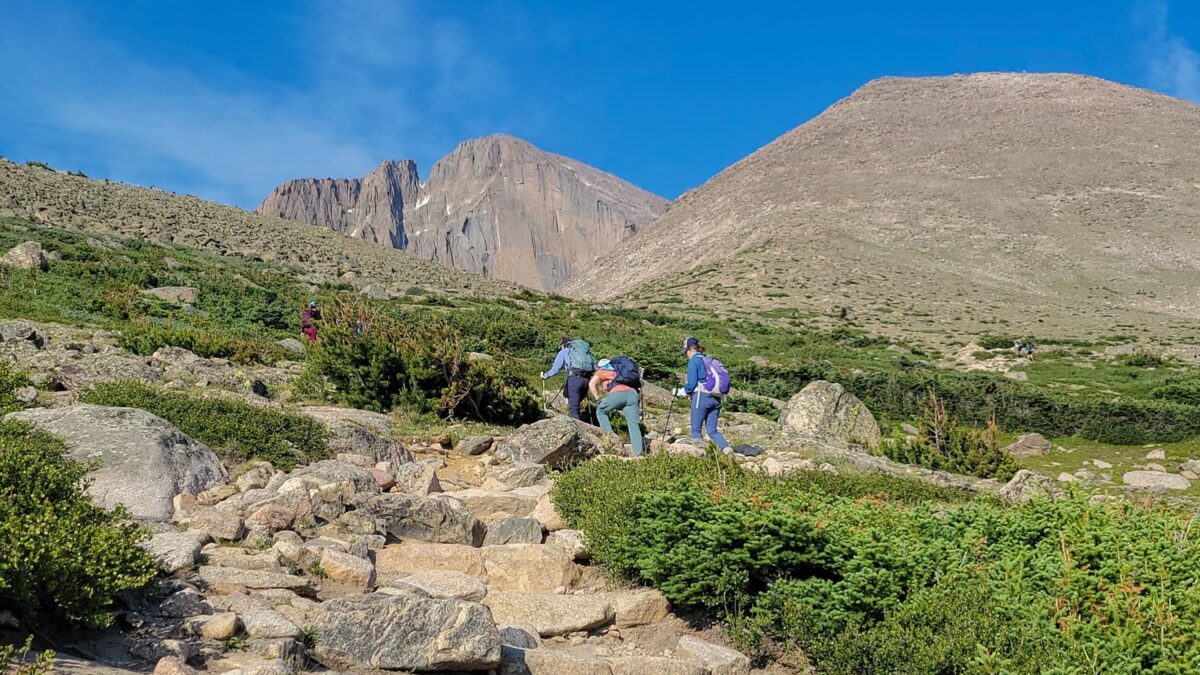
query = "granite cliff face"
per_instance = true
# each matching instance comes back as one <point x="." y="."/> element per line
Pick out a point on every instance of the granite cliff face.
<point x="496" y="206"/>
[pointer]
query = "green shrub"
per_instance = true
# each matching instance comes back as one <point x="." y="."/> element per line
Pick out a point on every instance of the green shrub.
<point x="997" y="341"/>
<point x="10" y="381"/>
<point x="1186" y="392"/>
<point x="421" y="365"/>
<point x="17" y="662"/>
<point x="1143" y="359"/>
<point x="750" y="405"/>
<point x="235" y="430"/>
<point x="941" y="443"/>
<point x="982" y="356"/>
<point x="145" y="338"/>
<point x="62" y="557"/>
<point x="871" y="584"/>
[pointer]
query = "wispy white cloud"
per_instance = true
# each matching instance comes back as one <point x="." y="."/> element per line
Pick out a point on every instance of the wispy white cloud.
<point x="385" y="81"/>
<point x="1172" y="65"/>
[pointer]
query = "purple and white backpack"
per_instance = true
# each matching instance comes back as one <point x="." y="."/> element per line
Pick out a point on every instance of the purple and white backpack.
<point x="717" y="382"/>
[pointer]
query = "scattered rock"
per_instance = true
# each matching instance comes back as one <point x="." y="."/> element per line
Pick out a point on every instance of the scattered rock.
<point x="361" y="432"/>
<point x="178" y="295"/>
<point x="220" y="626"/>
<point x="1155" y="479"/>
<point x="253" y="579"/>
<point x="1101" y="464"/>
<point x="513" y="530"/>
<point x="348" y="569"/>
<point x="573" y="541"/>
<point x="529" y="568"/>
<point x="26" y="256"/>
<point x="639" y="607"/>
<point x="654" y="665"/>
<point x="1190" y="475"/>
<point x="446" y="585"/>
<point x="909" y="429"/>
<point x="172" y="665"/>
<point x="268" y="624"/>
<point x="717" y="659"/>
<point x="547" y="515"/>
<point x="518" y="475"/>
<point x="1065" y="477"/>
<point x="404" y="516"/>
<point x="521" y="637"/>
<point x="217" y="524"/>
<point x="416" y="478"/>
<point x="173" y="551"/>
<point x="473" y="445"/>
<point x="291" y="346"/>
<point x="826" y="413"/>
<point x="519" y="661"/>
<point x="395" y="561"/>
<point x="404" y="632"/>
<point x="550" y="614"/>
<point x="559" y="442"/>
<point x="487" y="505"/>
<point x="1154" y="466"/>
<point x="1026" y="485"/>
<point x="1192" y="465"/>
<point x="143" y="460"/>
<point x="1157" y="453"/>
<point x="1028" y="445"/>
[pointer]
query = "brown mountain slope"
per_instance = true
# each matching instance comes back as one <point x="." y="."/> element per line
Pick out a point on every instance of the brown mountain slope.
<point x="1052" y="204"/>
<point x="496" y="206"/>
<point x="63" y="200"/>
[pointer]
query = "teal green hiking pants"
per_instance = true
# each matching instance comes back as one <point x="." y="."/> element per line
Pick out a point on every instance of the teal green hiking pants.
<point x="627" y="401"/>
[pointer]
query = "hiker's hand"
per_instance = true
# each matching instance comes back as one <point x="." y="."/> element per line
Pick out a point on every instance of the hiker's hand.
<point x="680" y="392"/>
<point x="542" y="374"/>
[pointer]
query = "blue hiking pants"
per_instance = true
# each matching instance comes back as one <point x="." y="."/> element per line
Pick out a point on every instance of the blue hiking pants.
<point x="627" y="401"/>
<point x="705" y="409"/>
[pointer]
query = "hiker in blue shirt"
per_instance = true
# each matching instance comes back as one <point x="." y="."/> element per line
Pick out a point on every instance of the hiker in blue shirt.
<point x="578" y="373"/>
<point x="705" y="407"/>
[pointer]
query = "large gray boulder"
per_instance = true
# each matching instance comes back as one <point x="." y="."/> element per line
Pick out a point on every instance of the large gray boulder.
<point x="1155" y="480"/>
<point x="559" y="442"/>
<point x="1028" y="445"/>
<point x="143" y="460"/>
<point x="404" y="632"/>
<point x="27" y="256"/>
<point x="403" y="516"/>
<point x="824" y="412"/>
<point x="176" y="295"/>
<point x="360" y="432"/>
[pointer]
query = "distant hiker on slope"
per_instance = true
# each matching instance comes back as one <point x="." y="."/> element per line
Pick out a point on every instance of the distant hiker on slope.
<point x="576" y="357"/>
<point x="308" y="320"/>
<point x="707" y="384"/>
<point x="623" y="380"/>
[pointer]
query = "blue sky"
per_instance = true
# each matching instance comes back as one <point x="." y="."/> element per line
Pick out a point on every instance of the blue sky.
<point x="227" y="99"/>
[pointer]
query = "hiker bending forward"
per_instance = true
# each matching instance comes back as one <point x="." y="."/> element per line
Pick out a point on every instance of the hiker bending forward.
<point x="620" y="397"/>
<point x="706" y="407"/>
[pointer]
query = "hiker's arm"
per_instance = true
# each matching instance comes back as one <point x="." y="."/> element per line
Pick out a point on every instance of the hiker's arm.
<point x="559" y="362"/>
<point x="593" y="384"/>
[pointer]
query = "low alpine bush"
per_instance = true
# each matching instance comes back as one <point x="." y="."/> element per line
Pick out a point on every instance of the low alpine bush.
<point x="62" y="557"/>
<point x="235" y="430"/>
<point x="941" y="443"/>
<point x="873" y="584"/>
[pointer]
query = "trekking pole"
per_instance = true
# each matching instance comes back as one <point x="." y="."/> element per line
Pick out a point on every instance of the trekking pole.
<point x="670" y="409"/>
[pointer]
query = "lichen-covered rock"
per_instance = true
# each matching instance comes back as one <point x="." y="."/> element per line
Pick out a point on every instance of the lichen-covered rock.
<point x="1155" y="479"/>
<point x="404" y="516"/>
<point x="143" y="460"/>
<point x="513" y="530"/>
<point x="173" y="551"/>
<point x="1026" y="485"/>
<point x="1028" y="445"/>
<point x="559" y="442"/>
<point x="361" y="432"/>
<point x="717" y="659"/>
<point x="176" y="295"/>
<point x="404" y="632"/>
<point x="824" y="412"/>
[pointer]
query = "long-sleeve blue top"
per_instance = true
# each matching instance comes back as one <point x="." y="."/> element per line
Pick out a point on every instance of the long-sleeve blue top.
<point x="696" y="373"/>
<point x="563" y="360"/>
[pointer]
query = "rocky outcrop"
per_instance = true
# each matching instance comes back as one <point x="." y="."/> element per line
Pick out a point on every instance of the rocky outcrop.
<point x="143" y="460"/>
<point x="1028" y="445"/>
<point x="1026" y="485"/>
<point x="405" y="632"/>
<point x="27" y="256"/>
<point x="825" y="413"/>
<point x="558" y="442"/>
<point x="496" y="206"/>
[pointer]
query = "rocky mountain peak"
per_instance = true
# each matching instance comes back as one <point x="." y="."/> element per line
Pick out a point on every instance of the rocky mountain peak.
<point x="495" y="205"/>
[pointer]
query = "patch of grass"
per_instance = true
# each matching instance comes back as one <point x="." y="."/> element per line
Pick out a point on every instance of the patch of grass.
<point x="235" y="430"/>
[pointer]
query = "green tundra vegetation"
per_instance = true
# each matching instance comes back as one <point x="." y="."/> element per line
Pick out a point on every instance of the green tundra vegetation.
<point x="880" y="575"/>
<point x="855" y="573"/>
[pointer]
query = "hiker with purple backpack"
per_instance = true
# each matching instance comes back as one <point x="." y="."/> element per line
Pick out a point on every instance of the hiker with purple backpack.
<point x="707" y="384"/>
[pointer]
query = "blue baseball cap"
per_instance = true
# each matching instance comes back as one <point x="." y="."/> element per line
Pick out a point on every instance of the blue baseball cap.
<point x="604" y="364"/>
<point x="688" y="344"/>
